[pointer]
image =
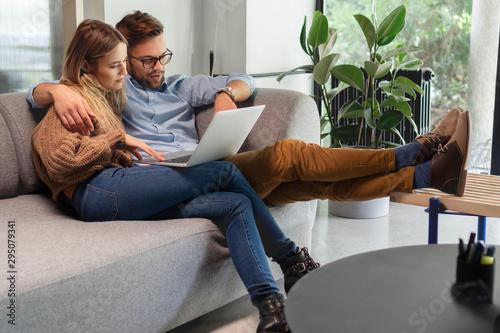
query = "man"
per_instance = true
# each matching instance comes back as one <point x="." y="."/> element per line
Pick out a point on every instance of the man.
<point x="161" y="113"/>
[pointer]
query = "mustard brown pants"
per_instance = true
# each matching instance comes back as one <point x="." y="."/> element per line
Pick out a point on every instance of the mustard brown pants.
<point x="292" y="170"/>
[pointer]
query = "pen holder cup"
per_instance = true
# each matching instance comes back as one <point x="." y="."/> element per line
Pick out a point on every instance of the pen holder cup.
<point x="474" y="282"/>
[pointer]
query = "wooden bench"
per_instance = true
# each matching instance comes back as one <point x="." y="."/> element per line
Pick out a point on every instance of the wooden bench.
<point x="481" y="199"/>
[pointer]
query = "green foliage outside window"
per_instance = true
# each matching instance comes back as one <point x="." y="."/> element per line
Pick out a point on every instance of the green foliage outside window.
<point x="441" y="28"/>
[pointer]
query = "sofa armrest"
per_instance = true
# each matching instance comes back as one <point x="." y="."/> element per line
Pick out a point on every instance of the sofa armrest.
<point x="288" y="114"/>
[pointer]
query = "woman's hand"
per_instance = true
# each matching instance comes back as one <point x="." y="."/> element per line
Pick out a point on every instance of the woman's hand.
<point x="133" y="144"/>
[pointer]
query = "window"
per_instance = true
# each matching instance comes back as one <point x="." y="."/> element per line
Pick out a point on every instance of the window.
<point x="444" y="33"/>
<point x="30" y="43"/>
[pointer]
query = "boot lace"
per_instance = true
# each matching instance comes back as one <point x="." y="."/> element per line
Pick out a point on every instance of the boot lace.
<point x="441" y="149"/>
<point x="310" y="264"/>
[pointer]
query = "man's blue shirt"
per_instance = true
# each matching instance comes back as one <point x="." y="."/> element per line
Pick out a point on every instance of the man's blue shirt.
<point x="164" y="118"/>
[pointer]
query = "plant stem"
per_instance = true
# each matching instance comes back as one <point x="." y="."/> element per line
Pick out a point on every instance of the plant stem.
<point x="373" y="109"/>
<point x="363" y="115"/>
<point x="328" y="105"/>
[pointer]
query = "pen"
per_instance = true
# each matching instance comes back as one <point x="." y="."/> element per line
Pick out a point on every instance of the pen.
<point x="471" y="254"/>
<point x="472" y="237"/>
<point x="478" y="253"/>
<point x="461" y="249"/>
<point x="491" y="251"/>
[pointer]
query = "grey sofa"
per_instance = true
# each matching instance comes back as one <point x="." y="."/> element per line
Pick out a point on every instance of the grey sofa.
<point x="122" y="276"/>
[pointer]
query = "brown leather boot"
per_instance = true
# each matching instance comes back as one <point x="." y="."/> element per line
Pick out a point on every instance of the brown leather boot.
<point x="439" y="136"/>
<point x="448" y="125"/>
<point x="272" y="314"/>
<point x="297" y="266"/>
<point x="448" y="167"/>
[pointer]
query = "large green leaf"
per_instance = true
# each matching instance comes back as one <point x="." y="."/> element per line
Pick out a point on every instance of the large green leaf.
<point x="326" y="48"/>
<point x="389" y="119"/>
<point x="386" y="40"/>
<point x="377" y="70"/>
<point x="316" y="14"/>
<point x="405" y="88"/>
<point x="383" y="69"/>
<point x="388" y="144"/>
<point x="396" y="95"/>
<point x="303" y="35"/>
<point x="321" y="72"/>
<point x="318" y="32"/>
<point x="325" y="125"/>
<point x="324" y="135"/>
<point x="350" y="74"/>
<point x="396" y="131"/>
<point x="368" y="29"/>
<point x="402" y="106"/>
<point x="355" y="112"/>
<point x="307" y="68"/>
<point x="335" y="91"/>
<point x="371" y="68"/>
<point x="392" y="24"/>
<point x="350" y="106"/>
<point x="401" y="57"/>
<point x="412" y="122"/>
<point x="412" y="64"/>
<point x="369" y="118"/>
<point x="398" y="51"/>
<point x="385" y="85"/>
<point x="407" y="81"/>
<point x="346" y="132"/>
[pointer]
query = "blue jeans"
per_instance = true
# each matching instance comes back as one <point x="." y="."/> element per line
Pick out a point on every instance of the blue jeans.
<point x="214" y="190"/>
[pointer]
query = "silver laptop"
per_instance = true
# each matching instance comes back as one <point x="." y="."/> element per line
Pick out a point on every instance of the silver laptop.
<point x="224" y="136"/>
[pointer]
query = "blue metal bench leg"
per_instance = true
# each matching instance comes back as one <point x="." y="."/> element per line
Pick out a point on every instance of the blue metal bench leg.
<point x="433" y="220"/>
<point x="481" y="228"/>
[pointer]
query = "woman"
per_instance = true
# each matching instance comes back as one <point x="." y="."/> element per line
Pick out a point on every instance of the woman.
<point x="95" y="176"/>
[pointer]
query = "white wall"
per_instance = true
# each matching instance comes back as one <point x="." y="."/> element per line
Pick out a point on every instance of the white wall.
<point x="224" y="31"/>
<point x="273" y="42"/>
<point x="259" y="37"/>
<point x="273" y="31"/>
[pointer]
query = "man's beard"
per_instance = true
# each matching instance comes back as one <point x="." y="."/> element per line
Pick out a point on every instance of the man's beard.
<point x="156" y="84"/>
<point x="144" y="80"/>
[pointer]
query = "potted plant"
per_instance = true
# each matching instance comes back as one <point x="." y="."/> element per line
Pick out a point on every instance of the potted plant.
<point x="379" y="114"/>
<point x="369" y="109"/>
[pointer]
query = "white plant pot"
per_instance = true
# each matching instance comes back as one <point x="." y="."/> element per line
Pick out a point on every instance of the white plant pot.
<point x="369" y="209"/>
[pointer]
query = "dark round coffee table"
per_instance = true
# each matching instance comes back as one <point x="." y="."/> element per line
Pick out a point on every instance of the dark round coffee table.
<point x="397" y="290"/>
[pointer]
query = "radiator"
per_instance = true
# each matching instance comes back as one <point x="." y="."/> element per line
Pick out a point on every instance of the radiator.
<point x="421" y="106"/>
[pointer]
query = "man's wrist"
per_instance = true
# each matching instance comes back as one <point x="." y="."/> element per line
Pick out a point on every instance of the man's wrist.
<point x="226" y="90"/>
<point x="43" y="94"/>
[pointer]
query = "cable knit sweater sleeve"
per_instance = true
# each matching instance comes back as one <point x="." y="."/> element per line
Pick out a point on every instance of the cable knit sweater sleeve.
<point x="63" y="158"/>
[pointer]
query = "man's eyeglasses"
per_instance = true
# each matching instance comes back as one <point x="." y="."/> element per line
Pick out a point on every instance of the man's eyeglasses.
<point x="149" y="63"/>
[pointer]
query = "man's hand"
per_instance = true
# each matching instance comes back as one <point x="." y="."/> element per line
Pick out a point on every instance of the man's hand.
<point x="73" y="109"/>
<point x="133" y="144"/>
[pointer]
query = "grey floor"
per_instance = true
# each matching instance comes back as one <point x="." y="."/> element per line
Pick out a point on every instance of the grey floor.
<point x="335" y="238"/>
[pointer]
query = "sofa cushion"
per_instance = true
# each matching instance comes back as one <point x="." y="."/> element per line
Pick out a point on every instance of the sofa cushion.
<point x="9" y="175"/>
<point x="20" y="125"/>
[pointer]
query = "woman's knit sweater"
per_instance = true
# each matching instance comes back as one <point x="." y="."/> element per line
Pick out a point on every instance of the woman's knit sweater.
<point x="63" y="158"/>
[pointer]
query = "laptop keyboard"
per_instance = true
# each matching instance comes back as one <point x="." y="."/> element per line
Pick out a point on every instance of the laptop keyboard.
<point x="181" y="159"/>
